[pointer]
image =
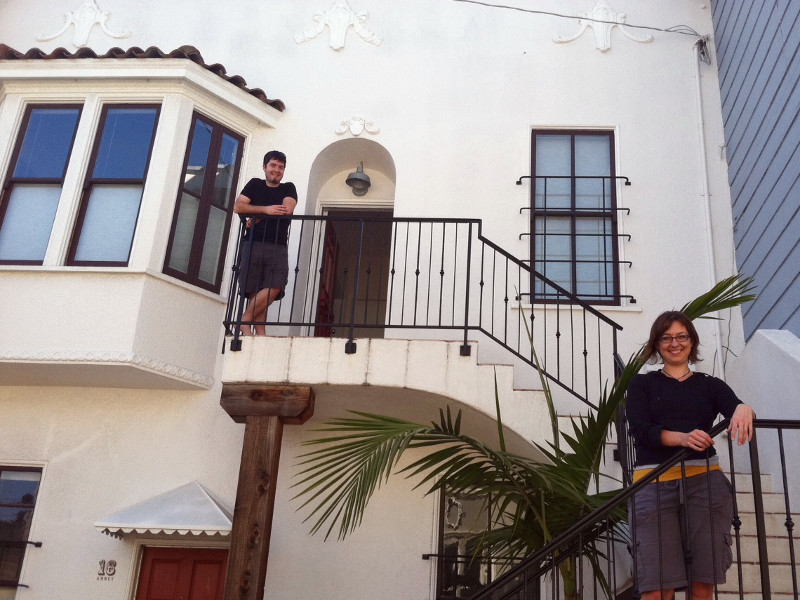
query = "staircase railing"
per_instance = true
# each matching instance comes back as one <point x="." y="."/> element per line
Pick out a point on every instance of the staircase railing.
<point x="610" y="541"/>
<point x="371" y="277"/>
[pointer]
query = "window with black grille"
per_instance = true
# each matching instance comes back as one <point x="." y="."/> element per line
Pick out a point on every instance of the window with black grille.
<point x="574" y="216"/>
<point x="462" y="569"/>
<point x="18" y="490"/>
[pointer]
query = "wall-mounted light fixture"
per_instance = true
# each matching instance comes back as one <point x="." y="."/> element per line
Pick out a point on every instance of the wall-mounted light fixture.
<point x="359" y="181"/>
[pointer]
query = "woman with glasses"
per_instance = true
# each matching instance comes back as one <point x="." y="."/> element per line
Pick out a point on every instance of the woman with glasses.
<point x="681" y="537"/>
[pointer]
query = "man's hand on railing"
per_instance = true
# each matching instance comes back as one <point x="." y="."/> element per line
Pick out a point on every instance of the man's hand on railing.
<point x="741" y="427"/>
<point x="277" y="209"/>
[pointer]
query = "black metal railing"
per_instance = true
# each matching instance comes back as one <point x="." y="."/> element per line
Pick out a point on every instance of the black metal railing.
<point x="600" y="544"/>
<point x="370" y="277"/>
<point x="574" y="233"/>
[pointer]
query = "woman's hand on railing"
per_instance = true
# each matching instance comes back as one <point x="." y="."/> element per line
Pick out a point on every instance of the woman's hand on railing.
<point x="741" y="427"/>
<point x="696" y="440"/>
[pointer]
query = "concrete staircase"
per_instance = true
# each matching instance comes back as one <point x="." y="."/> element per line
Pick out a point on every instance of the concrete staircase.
<point x="419" y="376"/>
<point x="778" y="546"/>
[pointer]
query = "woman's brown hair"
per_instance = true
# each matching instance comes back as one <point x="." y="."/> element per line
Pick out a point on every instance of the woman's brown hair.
<point x="663" y="322"/>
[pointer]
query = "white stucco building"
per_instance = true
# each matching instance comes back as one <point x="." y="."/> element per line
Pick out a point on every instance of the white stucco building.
<point x="113" y="299"/>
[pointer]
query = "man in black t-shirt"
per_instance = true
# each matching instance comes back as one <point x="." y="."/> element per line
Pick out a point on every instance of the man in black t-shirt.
<point x="265" y="262"/>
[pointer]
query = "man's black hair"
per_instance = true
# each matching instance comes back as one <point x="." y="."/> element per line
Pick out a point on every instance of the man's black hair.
<point x="274" y="154"/>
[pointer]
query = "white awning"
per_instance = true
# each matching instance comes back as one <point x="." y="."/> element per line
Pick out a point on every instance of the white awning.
<point x="187" y="509"/>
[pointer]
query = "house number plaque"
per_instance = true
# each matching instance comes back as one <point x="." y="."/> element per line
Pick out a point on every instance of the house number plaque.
<point x="108" y="569"/>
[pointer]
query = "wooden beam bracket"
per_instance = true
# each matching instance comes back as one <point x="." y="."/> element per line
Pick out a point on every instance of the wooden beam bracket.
<point x="294" y="404"/>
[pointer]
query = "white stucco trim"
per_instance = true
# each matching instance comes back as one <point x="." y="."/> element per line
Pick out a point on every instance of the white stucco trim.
<point x="140" y="361"/>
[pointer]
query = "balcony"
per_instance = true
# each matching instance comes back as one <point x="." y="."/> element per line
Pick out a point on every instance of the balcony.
<point x="355" y="277"/>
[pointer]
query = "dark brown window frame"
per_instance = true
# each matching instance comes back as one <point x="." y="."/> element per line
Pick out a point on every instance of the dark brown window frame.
<point x="573" y="214"/>
<point x="90" y="182"/>
<point x="8" y="543"/>
<point x="205" y="203"/>
<point x="10" y="181"/>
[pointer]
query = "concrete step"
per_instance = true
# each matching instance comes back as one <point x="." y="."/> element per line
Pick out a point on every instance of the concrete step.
<point x="748" y="596"/>
<point x="773" y="502"/>
<point x="778" y="549"/>
<point x="721" y="594"/>
<point x="744" y="482"/>
<point x="774" y="523"/>
<point x="780" y="578"/>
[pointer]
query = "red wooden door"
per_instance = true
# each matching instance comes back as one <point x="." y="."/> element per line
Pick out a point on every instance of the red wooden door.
<point x="182" y="574"/>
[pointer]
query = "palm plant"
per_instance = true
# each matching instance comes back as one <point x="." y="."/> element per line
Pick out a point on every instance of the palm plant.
<point x="531" y="502"/>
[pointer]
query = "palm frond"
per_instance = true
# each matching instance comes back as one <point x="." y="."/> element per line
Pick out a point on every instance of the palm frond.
<point x="728" y="293"/>
<point x="346" y="467"/>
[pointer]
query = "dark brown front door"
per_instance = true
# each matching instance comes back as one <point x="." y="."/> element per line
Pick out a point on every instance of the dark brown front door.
<point x="182" y="574"/>
<point x="325" y="313"/>
<point x="355" y="273"/>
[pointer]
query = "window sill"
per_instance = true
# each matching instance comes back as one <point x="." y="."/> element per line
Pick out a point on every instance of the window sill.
<point x="220" y="296"/>
<point x="603" y="308"/>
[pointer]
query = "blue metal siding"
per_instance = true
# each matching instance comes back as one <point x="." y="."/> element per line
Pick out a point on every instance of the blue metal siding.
<point x="758" y="52"/>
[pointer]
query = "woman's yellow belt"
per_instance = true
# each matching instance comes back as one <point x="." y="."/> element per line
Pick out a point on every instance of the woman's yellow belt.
<point x="676" y="472"/>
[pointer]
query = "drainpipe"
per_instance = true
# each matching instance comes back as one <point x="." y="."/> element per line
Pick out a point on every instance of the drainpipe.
<point x="700" y="50"/>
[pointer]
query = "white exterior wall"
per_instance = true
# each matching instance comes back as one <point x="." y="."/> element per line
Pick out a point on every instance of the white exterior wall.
<point x="102" y="450"/>
<point x="768" y="372"/>
<point x="455" y="90"/>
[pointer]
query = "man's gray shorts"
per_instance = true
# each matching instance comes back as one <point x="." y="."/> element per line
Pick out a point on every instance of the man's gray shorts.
<point x="690" y="529"/>
<point x="264" y="266"/>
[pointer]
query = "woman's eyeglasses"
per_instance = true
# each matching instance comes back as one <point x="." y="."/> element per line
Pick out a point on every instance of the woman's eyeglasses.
<point x="681" y="338"/>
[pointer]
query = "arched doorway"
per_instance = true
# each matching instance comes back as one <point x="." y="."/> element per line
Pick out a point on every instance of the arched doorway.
<point x="355" y="252"/>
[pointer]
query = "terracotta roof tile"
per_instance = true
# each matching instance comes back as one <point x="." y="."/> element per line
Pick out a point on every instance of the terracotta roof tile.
<point x="188" y="52"/>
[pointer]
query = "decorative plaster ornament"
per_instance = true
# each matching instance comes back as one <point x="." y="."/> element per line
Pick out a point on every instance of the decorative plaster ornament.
<point x="356" y="126"/>
<point x="339" y="19"/>
<point x="87" y="16"/>
<point x="602" y="30"/>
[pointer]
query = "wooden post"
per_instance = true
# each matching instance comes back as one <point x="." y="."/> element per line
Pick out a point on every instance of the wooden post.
<point x="264" y="410"/>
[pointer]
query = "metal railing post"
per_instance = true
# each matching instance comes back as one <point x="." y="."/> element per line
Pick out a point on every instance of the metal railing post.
<point x="350" y="345"/>
<point x="465" y="349"/>
<point x="240" y="283"/>
<point x="789" y="523"/>
<point x="761" y="530"/>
